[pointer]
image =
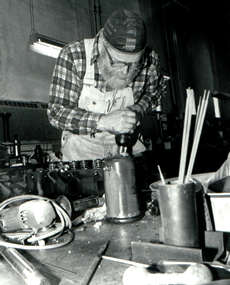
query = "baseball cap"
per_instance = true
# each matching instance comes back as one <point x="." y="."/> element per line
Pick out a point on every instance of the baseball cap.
<point x="125" y="32"/>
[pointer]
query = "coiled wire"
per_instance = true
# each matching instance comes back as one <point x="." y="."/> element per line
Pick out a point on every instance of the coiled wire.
<point x="62" y="214"/>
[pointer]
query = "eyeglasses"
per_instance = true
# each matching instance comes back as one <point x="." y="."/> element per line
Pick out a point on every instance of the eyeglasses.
<point x="121" y="64"/>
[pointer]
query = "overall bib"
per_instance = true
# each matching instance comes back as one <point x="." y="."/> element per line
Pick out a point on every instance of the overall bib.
<point x="84" y="147"/>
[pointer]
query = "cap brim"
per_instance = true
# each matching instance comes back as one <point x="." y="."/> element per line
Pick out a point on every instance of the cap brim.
<point x="121" y="55"/>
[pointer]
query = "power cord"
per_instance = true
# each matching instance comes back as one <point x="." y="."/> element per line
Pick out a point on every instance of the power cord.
<point x="63" y="229"/>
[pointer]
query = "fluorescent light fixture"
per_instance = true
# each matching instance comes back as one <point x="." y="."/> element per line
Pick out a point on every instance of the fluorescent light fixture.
<point x="45" y="45"/>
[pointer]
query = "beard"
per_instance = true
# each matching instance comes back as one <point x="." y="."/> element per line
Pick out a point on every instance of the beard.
<point x="114" y="77"/>
<point x="114" y="81"/>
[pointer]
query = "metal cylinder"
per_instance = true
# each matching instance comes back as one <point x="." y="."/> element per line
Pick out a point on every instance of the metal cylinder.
<point x="121" y="197"/>
<point x="179" y="213"/>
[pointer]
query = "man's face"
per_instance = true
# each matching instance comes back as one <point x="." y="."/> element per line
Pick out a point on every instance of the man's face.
<point x="117" y="74"/>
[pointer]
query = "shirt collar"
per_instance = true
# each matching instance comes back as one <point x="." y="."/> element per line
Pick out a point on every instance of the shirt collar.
<point x="95" y="50"/>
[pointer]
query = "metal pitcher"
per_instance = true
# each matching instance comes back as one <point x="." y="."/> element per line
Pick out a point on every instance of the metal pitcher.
<point x="120" y="190"/>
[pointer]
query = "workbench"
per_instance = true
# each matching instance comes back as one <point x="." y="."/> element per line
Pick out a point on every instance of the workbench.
<point x="70" y="264"/>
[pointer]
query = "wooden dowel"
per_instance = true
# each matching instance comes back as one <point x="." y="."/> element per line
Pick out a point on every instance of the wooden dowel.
<point x="200" y="121"/>
<point x="185" y="138"/>
<point x="161" y="175"/>
<point x="199" y="115"/>
<point x="125" y="261"/>
<point x="198" y="112"/>
<point x="182" y="156"/>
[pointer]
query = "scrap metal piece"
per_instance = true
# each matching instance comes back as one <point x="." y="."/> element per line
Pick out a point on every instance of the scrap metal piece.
<point x="93" y="267"/>
<point x="147" y="252"/>
<point x="215" y="244"/>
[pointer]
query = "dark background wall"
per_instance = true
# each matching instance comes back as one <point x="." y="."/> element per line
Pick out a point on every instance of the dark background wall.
<point x="196" y="37"/>
<point x="198" y="48"/>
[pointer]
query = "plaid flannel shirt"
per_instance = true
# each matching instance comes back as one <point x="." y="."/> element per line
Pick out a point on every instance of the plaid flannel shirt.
<point x="67" y="82"/>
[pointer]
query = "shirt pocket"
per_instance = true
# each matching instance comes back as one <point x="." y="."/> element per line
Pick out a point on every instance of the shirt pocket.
<point x="92" y="100"/>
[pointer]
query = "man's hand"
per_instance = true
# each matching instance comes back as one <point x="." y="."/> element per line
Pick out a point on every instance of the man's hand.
<point x="118" y="122"/>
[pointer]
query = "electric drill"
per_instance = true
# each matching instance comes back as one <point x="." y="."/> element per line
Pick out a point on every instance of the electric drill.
<point x="125" y="143"/>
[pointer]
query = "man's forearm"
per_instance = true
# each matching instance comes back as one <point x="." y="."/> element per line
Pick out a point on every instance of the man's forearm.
<point x="76" y="120"/>
<point x="118" y="122"/>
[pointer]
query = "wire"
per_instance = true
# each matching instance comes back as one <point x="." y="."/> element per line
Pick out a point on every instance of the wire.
<point x="37" y="247"/>
<point x="66" y="223"/>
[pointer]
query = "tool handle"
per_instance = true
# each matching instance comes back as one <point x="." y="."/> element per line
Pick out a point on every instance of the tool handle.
<point x="87" y="203"/>
<point x="23" y="267"/>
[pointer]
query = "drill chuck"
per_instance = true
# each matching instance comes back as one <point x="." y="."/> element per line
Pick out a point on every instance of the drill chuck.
<point x="124" y="140"/>
<point x="125" y="143"/>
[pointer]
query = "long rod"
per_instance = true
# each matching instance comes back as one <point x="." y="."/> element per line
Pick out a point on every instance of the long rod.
<point x="203" y="109"/>
<point x="125" y="261"/>
<point x="185" y="138"/>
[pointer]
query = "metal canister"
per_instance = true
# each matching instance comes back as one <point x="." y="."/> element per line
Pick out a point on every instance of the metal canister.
<point x="179" y="213"/>
<point x="121" y="197"/>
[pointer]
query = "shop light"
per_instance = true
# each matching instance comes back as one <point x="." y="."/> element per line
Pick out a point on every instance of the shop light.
<point x="45" y="45"/>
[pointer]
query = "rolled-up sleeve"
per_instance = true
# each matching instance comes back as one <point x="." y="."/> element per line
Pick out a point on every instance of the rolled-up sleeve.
<point x="65" y="90"/>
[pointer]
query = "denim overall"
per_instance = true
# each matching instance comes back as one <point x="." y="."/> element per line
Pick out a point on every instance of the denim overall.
<point x="84" y="147"/>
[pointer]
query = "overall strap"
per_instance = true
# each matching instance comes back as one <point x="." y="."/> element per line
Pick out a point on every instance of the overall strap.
<point x="89" y="73"/>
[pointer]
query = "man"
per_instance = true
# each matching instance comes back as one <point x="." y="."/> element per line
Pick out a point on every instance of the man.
<point x="102" y="87"/>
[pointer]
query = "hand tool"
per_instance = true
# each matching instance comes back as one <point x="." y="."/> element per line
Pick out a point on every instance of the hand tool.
<point x="23" y="267"/>
<point x="123" y="141"/>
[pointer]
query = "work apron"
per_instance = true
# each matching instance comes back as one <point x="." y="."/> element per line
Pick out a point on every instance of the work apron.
<point x="85" y="147"/>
